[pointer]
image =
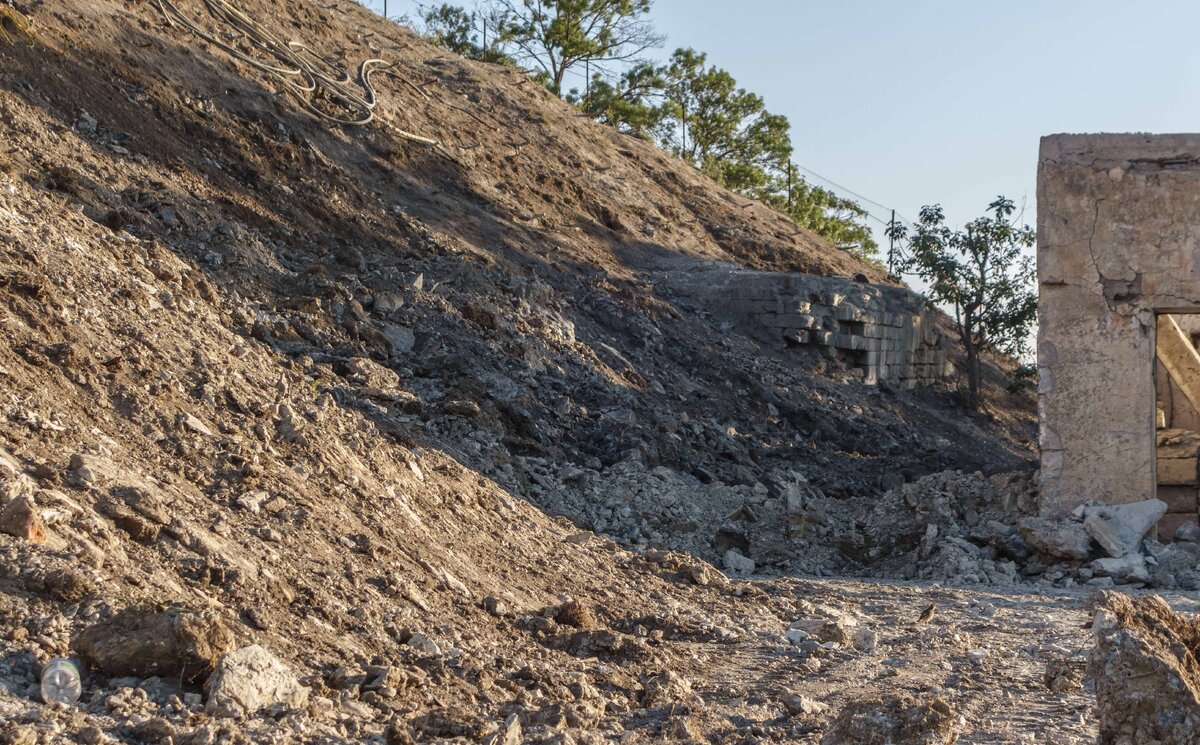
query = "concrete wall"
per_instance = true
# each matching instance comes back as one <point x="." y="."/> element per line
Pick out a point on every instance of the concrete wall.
<point x="1118" y="242"/>
<point x="881" y="332"/>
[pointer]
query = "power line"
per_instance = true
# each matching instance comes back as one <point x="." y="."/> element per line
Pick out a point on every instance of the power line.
<point x="855" y="194"/>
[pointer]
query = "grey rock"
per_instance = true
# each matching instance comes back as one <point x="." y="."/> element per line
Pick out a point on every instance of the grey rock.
<point x="1120" y="528"/>
<point x="1188" y="532"/>
<point x="736" y="563"/>
<point x="1128" y="568"/>
<point x="798" y="705"/>
<point x="1062" y="539"/>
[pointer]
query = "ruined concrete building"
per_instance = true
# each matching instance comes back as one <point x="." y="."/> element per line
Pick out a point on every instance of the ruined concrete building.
<point x="1119" y="276"/>
<point x="879" y="332"/>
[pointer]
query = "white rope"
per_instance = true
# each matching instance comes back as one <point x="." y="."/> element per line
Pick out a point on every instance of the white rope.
<point x="300" y="69"/>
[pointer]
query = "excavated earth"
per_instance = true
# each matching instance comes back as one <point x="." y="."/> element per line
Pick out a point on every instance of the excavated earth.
<point x="412" y="429"/>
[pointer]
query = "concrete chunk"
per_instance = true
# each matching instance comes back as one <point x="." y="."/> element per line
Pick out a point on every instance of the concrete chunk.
<point x="1120" y="528"/>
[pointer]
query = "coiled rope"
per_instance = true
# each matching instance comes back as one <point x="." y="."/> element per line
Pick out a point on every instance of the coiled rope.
<point x="300" y="69"/>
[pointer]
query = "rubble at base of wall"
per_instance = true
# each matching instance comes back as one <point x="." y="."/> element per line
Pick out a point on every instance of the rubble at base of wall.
<point x="882" y="332"/>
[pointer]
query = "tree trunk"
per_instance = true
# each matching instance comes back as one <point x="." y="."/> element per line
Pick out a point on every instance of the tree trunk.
<point x="974" y="402"/>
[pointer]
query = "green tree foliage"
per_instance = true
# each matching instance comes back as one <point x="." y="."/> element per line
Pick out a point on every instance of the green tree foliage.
<point x="723" y="130"/>
<point x="633" y="103"/>
<point x="836" y="219"/>
<point x="727" y="132"/>
<point x="463" y="32"/>
<point x="553" y="37"/>
<point x="984" y="273"/>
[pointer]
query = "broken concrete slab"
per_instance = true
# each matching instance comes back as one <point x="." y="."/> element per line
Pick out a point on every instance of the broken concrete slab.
<point x="1061" y="539"/>
<point x="1120" y="528"/>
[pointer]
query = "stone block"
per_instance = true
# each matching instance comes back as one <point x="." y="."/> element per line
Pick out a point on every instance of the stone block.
<point x="849" y="341"/>
<point x="797" y="336"/>
<point x="1177" y="472"/>
<point x="1179" y="498"/>
<point x="847" y="312"/>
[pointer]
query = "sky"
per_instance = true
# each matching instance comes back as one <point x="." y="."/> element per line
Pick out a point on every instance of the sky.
<point x="944" y="101"/>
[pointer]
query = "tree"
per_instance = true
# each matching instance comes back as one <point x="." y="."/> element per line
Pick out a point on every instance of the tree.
<point x="633" y="103"/>
<point x="555" y="36"/>
<point x="722" y="129"/>
<point x="834" y="218"/>
<point x="459" y="30"/>
<point x="984" y="273"/>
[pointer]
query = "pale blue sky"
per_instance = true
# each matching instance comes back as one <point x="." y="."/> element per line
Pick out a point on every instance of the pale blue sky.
<point x="910" y="103"/>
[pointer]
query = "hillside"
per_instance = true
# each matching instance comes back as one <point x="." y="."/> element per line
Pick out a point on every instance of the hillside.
<point x="348" y="394"/>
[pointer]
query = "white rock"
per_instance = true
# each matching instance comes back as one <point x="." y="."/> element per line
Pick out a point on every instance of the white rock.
<point x="1188" y="533"/>
<point x="977" y="656"/>
<point x="798" y="705"/>
<point x="423" y="643"/>
<point x="795" y="636"/>
<point x="865" y="640"/>
<point x="738" y="564"/>
<point x="1129" y="568"/>
<point x="250" y="680"/>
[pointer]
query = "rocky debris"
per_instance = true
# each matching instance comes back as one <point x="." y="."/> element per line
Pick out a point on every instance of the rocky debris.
<point x="1056" y="539"/>
<point x="1145" y="671"/>
<point x="1063" y="676"/>
<point x="1120" y="528"/>
<point x="251" y="680"/>
<point x="668" y="688"/>
<point x="865" y="640"/>
<point x="20" y="518"/>
<point x="147" y="643"/>
<point x="803" y="706"/>
<point x="895" y="720"/>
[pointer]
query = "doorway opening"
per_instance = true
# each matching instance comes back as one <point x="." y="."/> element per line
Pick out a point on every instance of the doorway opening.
<point x="1177" y="419"/>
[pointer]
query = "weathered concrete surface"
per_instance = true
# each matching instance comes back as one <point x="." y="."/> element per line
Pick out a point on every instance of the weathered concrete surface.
<point x="1118" y="242"/>
<point x="879" y="331"/>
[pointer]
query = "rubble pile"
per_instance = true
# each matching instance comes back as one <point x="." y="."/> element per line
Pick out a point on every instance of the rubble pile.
<point x="1145" y="671"/>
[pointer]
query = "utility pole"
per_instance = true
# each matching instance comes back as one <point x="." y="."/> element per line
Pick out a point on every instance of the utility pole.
<point x="892" y="246"/>
<point x="790" y="167"/>
<point x="385" y="15"/>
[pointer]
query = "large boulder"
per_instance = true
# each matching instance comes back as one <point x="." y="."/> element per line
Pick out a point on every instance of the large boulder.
<point x="147" y="643"/>
<point x="252" y="680"/>
<point x="20" y="517"/>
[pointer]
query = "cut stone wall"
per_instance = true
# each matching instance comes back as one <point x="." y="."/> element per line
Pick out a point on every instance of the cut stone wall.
<point x="1118" y="243"/>
<point x="881" y="332"/>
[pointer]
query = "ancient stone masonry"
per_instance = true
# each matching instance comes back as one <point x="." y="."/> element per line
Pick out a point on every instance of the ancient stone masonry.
<point x="881" y="332"/>
<point x="1118" y="250"/>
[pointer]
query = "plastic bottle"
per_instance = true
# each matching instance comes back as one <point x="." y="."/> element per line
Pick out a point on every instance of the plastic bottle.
<point x="61" y="682"/>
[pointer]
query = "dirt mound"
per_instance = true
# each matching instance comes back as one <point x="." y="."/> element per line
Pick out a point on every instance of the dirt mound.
<point x="1145" y="670"/>
<point x="895" y="720"/>
<point x="312" y="382"/>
